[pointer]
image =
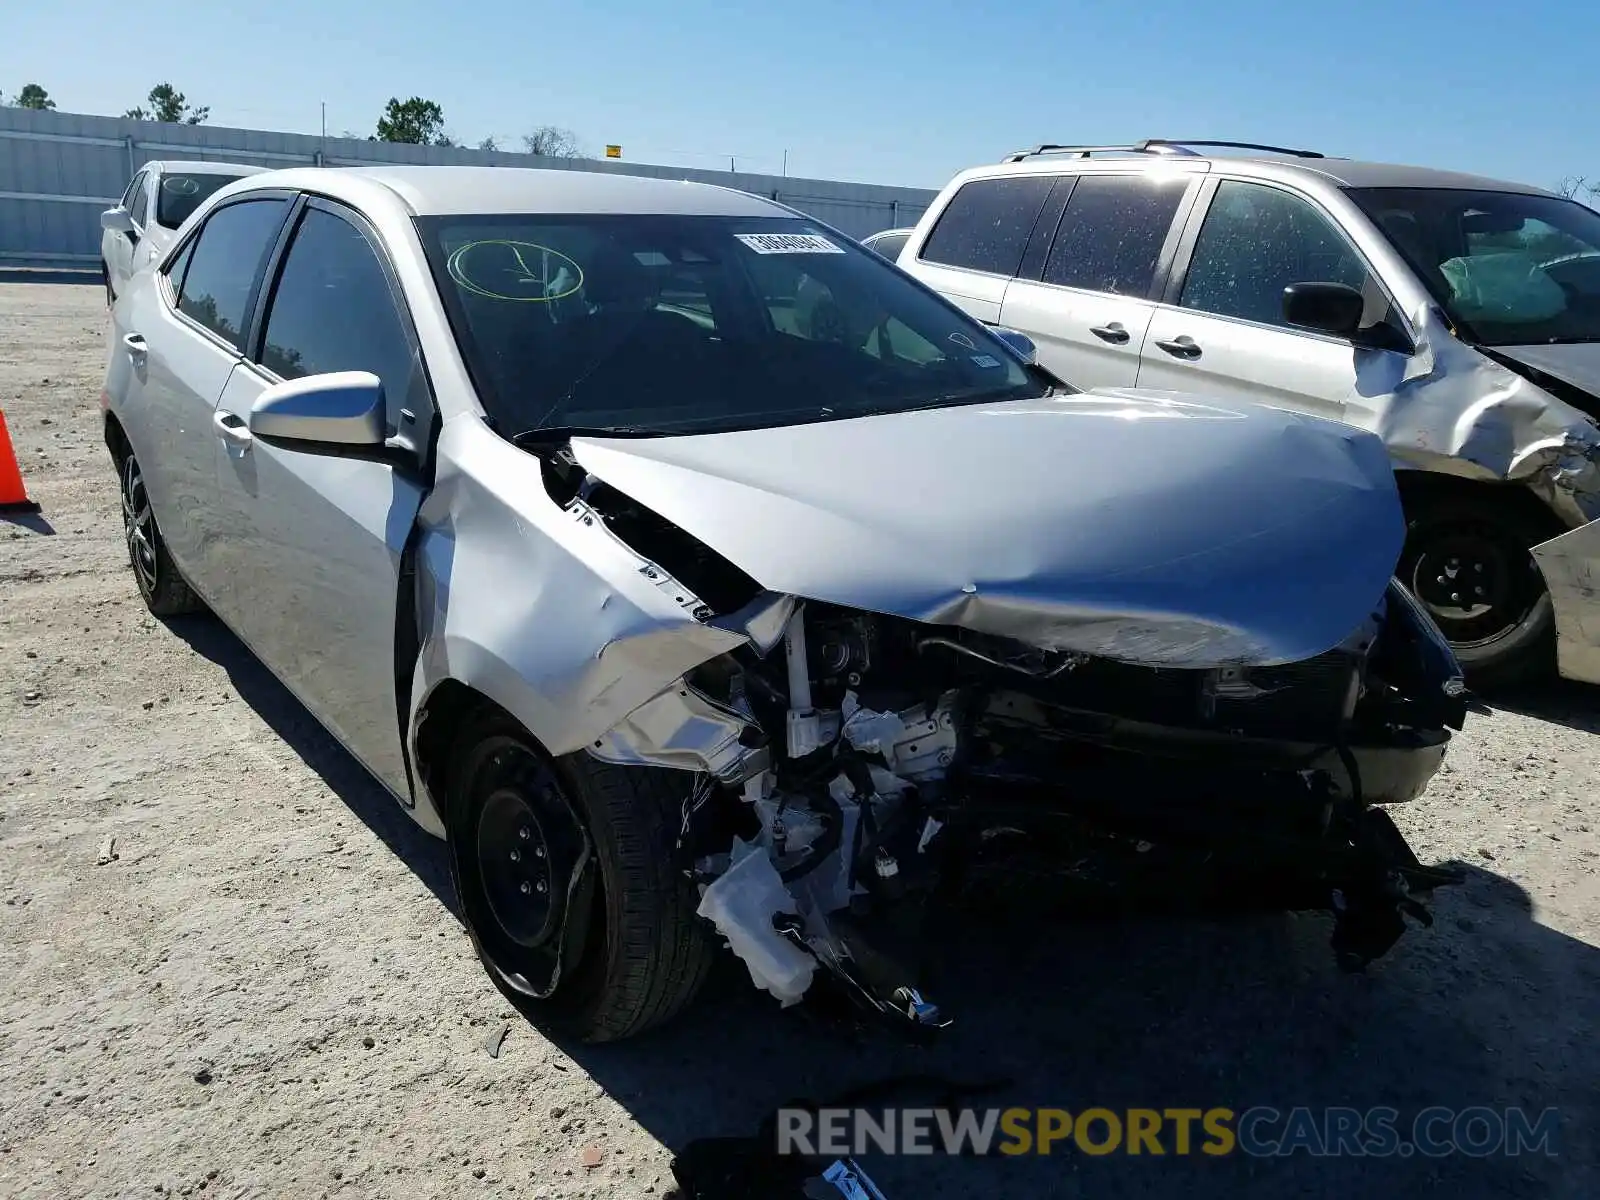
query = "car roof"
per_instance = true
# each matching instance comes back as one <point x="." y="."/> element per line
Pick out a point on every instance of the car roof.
<point x="446" y="190"/>
<point x="169" y="166"/>
<point x="1341" y="172"/>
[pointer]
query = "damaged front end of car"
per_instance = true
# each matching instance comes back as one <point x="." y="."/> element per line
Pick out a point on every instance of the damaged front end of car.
<point x="859" y="767"/>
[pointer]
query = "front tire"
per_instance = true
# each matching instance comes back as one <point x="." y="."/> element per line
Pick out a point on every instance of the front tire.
<point x="1467" y="560"/>
<point x="631" y="952"/>
<point x="165" y="592"/>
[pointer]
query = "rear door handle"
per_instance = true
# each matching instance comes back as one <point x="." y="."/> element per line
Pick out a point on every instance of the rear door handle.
<point x="134" y="343"/>
<point x="231" y="429"/>
<point x="1181" y="347"/>
<point x="1113" y="333"/>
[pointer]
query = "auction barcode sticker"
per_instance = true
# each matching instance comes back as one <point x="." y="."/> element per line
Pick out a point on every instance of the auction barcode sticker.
<point x="789" y="243"/>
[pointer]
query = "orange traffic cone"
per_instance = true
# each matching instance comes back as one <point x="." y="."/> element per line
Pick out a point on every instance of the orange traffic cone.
<point x="13" y="496"/>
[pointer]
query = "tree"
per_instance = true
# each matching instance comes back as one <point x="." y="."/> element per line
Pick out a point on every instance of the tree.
<point x="488" y="144"/>
<point x="552" y="142"/>
<point x="1573" y="187"/>
<point x="33" y="96"/>
<point x="417" y="121"/>
<point x="169" y="105"/>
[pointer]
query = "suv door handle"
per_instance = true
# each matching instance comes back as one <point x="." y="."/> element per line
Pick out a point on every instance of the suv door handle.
<point x="231" y="429"/>
<point x="1113" y="333"/>
<point x="134" y="343"/>
<point x="1181" y="347"/>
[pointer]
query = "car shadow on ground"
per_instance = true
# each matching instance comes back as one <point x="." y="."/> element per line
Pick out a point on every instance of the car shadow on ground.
<point x="1164" y="1010"/>
<point x="344" y="776"/>
<point x="1561" y="702"/>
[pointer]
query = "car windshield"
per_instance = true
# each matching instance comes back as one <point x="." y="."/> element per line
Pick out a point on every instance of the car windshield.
<point x="1509" y="269"/>
<point x="181" y="192"/>
<point x="695" y="324"/>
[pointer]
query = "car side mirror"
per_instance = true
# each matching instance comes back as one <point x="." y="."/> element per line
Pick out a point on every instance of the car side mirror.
<point x="1333" y="308"/>
<point x="340" y="413"/>
<point x="1018" y="341"/>
<point x="117" y="220"/>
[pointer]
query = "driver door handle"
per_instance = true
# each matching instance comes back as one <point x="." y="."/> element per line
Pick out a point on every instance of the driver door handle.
<point x="1113" y="333"/>
<point x="231" y="429"/>
<point x="134" y="344"/>
<point x="1181" y="347"/>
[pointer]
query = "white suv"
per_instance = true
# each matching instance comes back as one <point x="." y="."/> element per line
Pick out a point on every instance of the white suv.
<point x="1455" y="316"/>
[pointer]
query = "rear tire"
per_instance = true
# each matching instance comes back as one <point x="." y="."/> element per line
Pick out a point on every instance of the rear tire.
<point x="645" y="953"/>
<point x="1466" y="559"/>
<point x="165" y="592"/>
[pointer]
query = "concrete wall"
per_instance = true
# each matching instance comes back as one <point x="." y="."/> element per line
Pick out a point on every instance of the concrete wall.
<point x="59" y="170"/>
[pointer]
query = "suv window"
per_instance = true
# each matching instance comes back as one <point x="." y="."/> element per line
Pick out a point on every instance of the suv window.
<point x="985" y="226"/>
<point x="141" y="204"/>
<point x="227" y="256"/>
<point x="1111" y="235"/>
<point x="333" y="310"/>
<point x="1255" y="242"/>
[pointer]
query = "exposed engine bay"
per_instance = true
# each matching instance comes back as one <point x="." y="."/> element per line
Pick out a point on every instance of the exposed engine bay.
<point x="857" y="771"/>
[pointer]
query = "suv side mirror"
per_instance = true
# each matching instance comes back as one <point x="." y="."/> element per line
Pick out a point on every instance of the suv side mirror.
<point x="117" y="220"/>
<point x="1333" y="308"/>
<point x="338" y="413"/>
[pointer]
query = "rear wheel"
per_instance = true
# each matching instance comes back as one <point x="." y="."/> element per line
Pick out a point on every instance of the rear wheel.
<point x="165" y="592"/>
<point x="1466" y="558"/>
<point x="567" y="878"/>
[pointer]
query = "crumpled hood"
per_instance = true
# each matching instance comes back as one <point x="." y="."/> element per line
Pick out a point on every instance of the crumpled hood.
<point x="1144" y="526"/>
<point x="1576" y="363"/>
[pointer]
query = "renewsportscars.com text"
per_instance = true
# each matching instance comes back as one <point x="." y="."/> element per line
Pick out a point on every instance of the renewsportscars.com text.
<point x="1260" y="1131"/>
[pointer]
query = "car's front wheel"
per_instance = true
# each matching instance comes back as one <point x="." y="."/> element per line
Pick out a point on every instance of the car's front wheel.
<point x="569" y="884"/>
<point x="1467" y="560"/>
<point x="165" y="592"/>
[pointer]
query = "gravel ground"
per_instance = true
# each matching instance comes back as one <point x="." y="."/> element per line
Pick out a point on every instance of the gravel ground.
<point x="231" y="966"/>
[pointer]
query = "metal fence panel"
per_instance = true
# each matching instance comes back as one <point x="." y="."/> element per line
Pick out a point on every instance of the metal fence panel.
<point x="59" y="170"/>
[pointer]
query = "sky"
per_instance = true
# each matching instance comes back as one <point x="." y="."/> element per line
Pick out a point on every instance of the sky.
<point x="902" y="93"/>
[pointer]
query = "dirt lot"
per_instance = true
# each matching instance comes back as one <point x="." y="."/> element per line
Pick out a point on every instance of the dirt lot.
<point x="230" y="965"/>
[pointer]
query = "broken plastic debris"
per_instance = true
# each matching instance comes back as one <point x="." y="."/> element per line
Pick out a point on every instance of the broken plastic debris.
<point x="497" y="1035"/>
<point x="108" y="852"/>
<point x="741" y="904"/>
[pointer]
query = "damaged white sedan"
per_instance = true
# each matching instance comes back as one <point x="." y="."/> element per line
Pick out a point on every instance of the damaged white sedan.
<point x="680" y="616"/>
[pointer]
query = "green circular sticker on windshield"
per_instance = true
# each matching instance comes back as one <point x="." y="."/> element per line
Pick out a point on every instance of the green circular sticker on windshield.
<point x="520" y="272"/>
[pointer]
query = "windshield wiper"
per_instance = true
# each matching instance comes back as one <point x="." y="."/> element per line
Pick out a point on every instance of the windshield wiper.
<point x="555" y="435"/>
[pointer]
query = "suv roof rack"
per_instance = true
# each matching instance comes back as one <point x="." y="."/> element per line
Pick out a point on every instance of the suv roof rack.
<point x="1179" y="147"/>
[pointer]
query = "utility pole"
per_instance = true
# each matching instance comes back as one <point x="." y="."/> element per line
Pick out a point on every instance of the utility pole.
<point x="731" y="169"/>
<point x="786" y="164"/>
<point x="324" y="120"/>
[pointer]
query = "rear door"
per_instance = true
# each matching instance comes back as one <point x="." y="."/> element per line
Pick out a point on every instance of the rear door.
<point x="976" y="244"/>
<point x="1088" y="306"/>
<point x="181" y="337"/>
<point x="308" y="561"/>
<point x="1221" y="328"/>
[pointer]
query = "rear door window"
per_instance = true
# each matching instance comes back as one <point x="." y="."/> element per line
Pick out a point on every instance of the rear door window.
<point x="226" y="261"/>
<point x="985" y="226"/>
<point x="1111" y="234"/>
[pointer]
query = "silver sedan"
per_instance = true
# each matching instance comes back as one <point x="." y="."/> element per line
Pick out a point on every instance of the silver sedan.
<point x="680" y="616"/>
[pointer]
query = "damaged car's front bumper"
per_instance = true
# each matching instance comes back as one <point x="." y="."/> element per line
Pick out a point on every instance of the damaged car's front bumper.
<point x="1571" y="568"/>
<point x="1155" y="696"/>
